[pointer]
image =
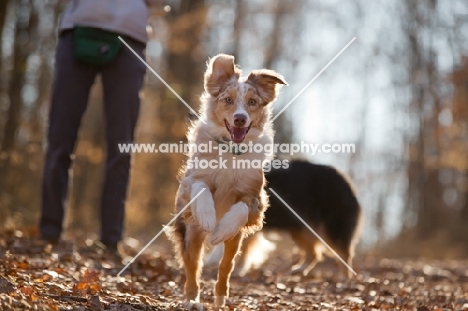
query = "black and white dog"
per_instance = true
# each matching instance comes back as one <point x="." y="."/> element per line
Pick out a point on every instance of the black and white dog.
<point x="325" y="199"/>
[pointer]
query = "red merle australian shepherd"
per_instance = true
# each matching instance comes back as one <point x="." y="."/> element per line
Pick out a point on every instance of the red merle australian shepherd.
<point x="233" y="200"/>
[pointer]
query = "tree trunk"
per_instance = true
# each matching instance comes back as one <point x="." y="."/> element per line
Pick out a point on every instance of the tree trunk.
<point x="425" y="97"/>
<point x="283" y="128"/>
<point x="25" y="25"/>
<point x="3" y="13"/>
<point x="237" y="27"/>
<point x="185" y="61"/>
<point x="45" y="43"/>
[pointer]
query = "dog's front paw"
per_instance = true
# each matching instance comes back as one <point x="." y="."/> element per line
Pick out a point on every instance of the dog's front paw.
<point x="192" y="304"/>
<point x="223" y="233"/>
<point x="206" y="218"/>
<point x="203" y="209"/>
<point x="230" y="224"/>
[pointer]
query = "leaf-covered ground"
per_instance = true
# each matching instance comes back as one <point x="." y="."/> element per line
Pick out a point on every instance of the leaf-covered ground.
<point x="74" y="276"/>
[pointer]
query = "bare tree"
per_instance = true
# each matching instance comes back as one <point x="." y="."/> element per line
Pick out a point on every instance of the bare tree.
<point x="3" y="13"/>
<point x="26" y="24"/>
<point x="185" y="59"/>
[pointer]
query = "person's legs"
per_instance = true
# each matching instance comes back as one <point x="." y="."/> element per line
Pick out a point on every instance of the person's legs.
<point x="122" y="81"/>
<point x="72" y="82"/>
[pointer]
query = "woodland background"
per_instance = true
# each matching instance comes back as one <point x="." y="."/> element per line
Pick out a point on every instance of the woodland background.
<point x="400" y="93"/>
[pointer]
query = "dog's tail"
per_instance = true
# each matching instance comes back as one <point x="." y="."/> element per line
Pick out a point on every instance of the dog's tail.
<point x="176" y="233"/>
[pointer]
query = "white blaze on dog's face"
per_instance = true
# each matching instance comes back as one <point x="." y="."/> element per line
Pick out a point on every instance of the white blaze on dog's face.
<point x="238" y="104"/>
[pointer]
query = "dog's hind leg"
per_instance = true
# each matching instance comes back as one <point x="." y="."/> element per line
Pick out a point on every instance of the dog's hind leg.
<point x="231" y="248"/>
<point x="244" y="261"/>
<point x="307" y="243"/>
<point x="192" y="256"/>
<point x="347" y="254"/>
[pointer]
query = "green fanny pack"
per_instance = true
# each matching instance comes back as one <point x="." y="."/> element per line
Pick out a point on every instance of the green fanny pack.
<point x="96" y="46"/>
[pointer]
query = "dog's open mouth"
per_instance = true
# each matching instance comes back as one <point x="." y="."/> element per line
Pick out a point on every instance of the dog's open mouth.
<point x="237" y="133"/>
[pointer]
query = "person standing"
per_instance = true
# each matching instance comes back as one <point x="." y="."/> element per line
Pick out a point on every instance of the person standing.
<point x="88" y="46"/>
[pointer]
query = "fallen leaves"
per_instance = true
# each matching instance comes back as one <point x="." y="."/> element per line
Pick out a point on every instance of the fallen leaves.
<point x="34" y="275"/>
<point x="72" y="277"/>
<point x="6" y="287"/>
<point x="89" y="284"/>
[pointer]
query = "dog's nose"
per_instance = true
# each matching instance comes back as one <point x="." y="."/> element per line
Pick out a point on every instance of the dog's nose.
<point x="240" y="119"/>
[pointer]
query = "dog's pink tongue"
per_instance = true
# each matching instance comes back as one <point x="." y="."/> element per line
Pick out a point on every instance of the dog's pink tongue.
<point x="238" y="134"/>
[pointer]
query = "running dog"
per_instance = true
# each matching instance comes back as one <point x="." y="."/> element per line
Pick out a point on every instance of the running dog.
<point x="326" y="200"/>
<point x="231" y="201"/>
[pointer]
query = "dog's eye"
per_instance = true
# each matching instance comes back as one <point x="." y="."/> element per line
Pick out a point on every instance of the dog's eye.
<point x="252" y="102"/>
<point x="228" y="100"/>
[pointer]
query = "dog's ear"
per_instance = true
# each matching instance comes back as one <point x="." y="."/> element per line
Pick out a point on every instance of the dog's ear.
<point x="220" y="69"/>
<point x="265" y="81"/>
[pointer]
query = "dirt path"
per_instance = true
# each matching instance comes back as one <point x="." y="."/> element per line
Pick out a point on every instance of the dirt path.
<point x="71" y="277"/>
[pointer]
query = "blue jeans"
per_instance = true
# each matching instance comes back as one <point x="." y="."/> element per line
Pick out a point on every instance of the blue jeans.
<point x="122" y="81"/>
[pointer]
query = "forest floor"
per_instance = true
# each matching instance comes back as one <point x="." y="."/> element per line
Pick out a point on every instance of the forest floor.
<point x="73" y="276"/>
